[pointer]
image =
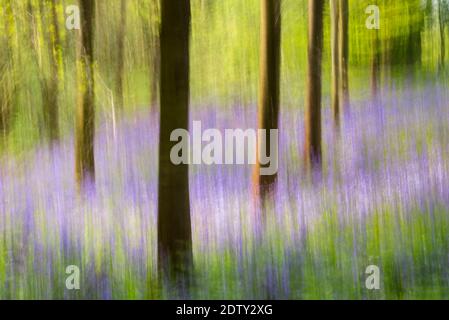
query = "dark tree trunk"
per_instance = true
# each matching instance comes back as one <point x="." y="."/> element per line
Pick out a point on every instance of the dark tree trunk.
<point x="269" y="68"/>
<point x="335" y="90"/>
<point x="313" y="91"/>
<point x="50" y="84"/>
<point x="174" y="230"/>
<point x="344" y="53"/>
<point x="85" y="116"/>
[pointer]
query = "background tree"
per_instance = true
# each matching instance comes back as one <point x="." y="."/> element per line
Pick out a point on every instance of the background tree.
<point x="344" y="52"/>
<point x="174" y="229"/>
<point x="151" y="39"/>
<point x="335" y="61"/>
<point x="121" y="55"/>
<point x="50" y="80"/>
<point x="8" y="81"/>
<point x="269" y="74"/>
<point x="443" y="9"/>
<point x="375" y="64"/>
<point x="376" y="58"/>
<point x="85" y="116"/>
<point x="313" y="86"/>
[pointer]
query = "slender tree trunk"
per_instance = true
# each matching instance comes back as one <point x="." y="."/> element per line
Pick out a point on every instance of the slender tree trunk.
<point x="155" y="63"/>
<point x="151" y="37"/>
<point x="269" y="68"/>
<point x="442" y="35"/>
<point x="174" y="230"/>
<point x="51" y="82"/>
<point x="37" y="14"/>
<point x="155" y="70"/>
<point x="8" y="85"/>
<point x="313" y="91"/>
<point x="121" y="55"/>
<point x="375" y="65"/>
<point x="344" y="53"/>
<point x="335" y="90"/>
<point x="85" y="116"/>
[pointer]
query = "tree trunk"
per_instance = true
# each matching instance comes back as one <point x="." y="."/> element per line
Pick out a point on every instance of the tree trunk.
<point x="8" y="85"/>
<point x="121" y="55"/>
<point x="442" y="35"/>
<point x="50" y="83"/>
<point x="85" y="116"/>
<point x="335" y="90"/>
<point x="375" y="65"/>
<point x="155" y="62"/>
<point x="313" y="91"/>
<point x="344" y="53"/>
<point x="174" y="230"/>
<point x="151" y="38"/>
<point x="269" y="68"/>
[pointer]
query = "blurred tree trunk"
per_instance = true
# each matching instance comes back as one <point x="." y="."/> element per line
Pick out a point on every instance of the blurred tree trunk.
<point x="174" y="230"/>
<point x="50" y="82"/>
<point x="375" y="65"/>
<point x="344" y="53"/>
<point x="441" y="20"/>
<point x="151" y="38"/>
<point x="335" y="61"/>
<point x="313" y="90"/>
<point x="121" y="55"/>
<point x="155" y="63"/>
<point x="85" y="116"/>
<point x="269" y="68"/>
<point x="416" y="25"/>
<point x="7" y="71"/>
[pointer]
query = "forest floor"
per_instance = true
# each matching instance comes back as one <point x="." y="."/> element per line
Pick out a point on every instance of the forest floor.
<point x="381" y="199"/>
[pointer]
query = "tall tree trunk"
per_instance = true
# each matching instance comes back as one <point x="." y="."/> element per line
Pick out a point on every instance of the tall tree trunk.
<point x="344" y="53"/>
<point x="335" y="90"/>
<point x="121" y="55"/>
<point x="269" y="68"/>
<point x="155" y="63"/>
<point x="442" y="34"/>
<point x="375" y="65"/>
<point x="174" y="230"/>
<point x="313" y="91"/>
<point x="50" y="84"/>
<point x="8" y="83"/>
<point x="151" y="38"/>
<point x="85" y="116"/>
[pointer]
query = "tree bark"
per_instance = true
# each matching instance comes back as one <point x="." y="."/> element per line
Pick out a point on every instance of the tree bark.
<point x="8" y="86"/>
<point x="335" y="86"/>
<point x="313" y="89"/>
<point x="375" y="65"/>
<point x="151" y="38"/>
<point x="442" y="35"/>
<point x="50" y="83"/>
<point x="174" y="230"/>
<point x="269" y="74"/>
<point x="85" y="115"/>
<point x="121" y="55"/>
<point x="344" y="53"/>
